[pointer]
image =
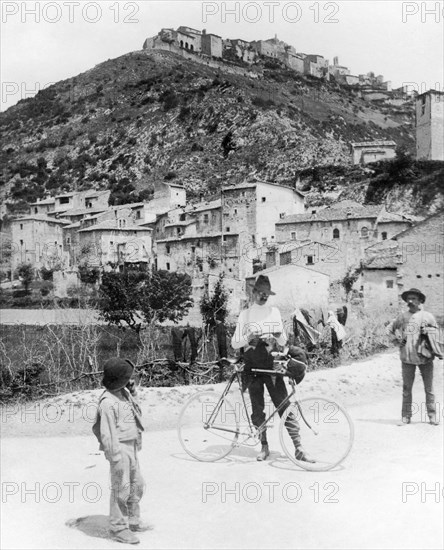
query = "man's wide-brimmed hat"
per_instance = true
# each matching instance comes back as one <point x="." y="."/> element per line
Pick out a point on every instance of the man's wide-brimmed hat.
<point x="117" y="373"/>
<point x="263" y="285"/>
<point x="418" y="293"/>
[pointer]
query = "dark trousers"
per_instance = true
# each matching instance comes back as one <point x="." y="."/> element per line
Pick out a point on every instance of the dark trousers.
<point x="408" y="377"/>
<point x="278" y="392"/>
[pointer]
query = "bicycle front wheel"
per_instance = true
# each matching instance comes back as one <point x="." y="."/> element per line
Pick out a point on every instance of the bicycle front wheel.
<point x="208" y="427"/>
<point x="322" y="428"/>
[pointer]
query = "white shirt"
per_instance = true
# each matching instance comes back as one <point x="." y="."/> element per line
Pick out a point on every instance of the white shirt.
<point x="264" y="319"/>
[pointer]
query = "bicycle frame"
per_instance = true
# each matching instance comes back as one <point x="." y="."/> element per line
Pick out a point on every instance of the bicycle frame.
<point x="262" y="427"/>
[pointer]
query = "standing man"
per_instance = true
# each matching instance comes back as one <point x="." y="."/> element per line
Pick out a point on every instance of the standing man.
<point x="258" y="329"/>
<point x="406" y="332"/>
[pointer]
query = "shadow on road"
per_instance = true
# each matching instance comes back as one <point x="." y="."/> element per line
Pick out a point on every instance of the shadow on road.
<point x="93" y="526"/>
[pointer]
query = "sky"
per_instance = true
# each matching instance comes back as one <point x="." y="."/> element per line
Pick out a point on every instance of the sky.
<point x="47" y="41"/>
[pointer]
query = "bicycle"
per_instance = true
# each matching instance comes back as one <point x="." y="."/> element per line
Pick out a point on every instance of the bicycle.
<point x="210" y="427"/>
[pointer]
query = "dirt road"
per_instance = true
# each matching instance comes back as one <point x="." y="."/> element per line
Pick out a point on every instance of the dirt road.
<point x="387" y="494"/>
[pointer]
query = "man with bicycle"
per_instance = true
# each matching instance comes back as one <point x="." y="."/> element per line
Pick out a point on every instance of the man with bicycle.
<point x="259" y="328"/>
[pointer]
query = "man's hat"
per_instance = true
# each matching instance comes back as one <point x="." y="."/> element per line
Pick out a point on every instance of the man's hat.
<point x="117" y="373"/>
<point x="263" y="285"/>
<point x="418" y="293"/>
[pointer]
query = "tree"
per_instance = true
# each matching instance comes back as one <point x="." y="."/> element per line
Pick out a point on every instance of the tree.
<point x="26" y="273"/>
<point x="214" y="308"/>
<point x="151" y="296"/>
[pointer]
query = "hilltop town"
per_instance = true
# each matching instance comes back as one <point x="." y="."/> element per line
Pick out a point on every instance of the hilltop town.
<point x="247" y="224"/>
<point x="237" y="53"/>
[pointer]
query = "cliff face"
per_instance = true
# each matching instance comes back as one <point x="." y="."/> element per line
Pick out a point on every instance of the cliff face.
<point x="151" y="115"/>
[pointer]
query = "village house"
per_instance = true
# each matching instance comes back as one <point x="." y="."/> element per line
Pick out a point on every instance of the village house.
<point x="37" y="240"/>
<point x="430" y="125"/>
<point x="372" y="151"/>
<point x="347" y="227"/>
<point x="411" y="258"/>
<point x="421" y="250"/>
<point x="378" y="280"/>
<point x="316" y="65"/>
<point x="240" y="49"/>
<point x="225" y="235"/>
<point x="312" y="255"/>
<point x="116" y="242"/>
<point x="78" y="200"/>
<point x="211" y="44"/>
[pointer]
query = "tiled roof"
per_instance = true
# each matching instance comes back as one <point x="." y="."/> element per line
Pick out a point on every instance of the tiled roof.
<point x="83" y="211"/>
<point x="42" y="218"/>
<point x="381" y="263"/>
<point x="330" y="214"/>
<point x="373" y="143"/>
<point x="199" y="206"/>
<point x="294" y="245"/>
<point x="247" y="185"/>
<point x="111" y="225"/>
<point x="44" y="201"/>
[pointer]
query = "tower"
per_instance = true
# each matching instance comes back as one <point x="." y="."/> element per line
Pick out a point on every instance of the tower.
<point x="430" y="125"/>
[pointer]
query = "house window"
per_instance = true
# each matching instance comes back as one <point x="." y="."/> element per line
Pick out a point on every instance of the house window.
<point x="282" y="215"/>
<point x="193" y="249"/>
<point x="182" y="217"/>
<point x="225" y="238"/>
<point x="235" y="211"/>
<point x="389" y="283"/>
<point x="384" y="235"/>
<point x="264" y="199"/>
<point x="364" y="232"/>
<point x="138" y="215"/>
<point x="293" y="235"/>
<point x="227" y="229"/>
<point x="310" y="260"/>
<point x="21" y="226"/>
<point x="111" y="243"/>
<point x="64" y="200"/>
<point x="178" y="231"/>
<point x="36" y="210"/>
<point x="205" y="218"/>
<point x="167" y="248"/>
<point x="168" y="266"/>
<point x="335" y="233"/>
<point x="264" y="241"/>
<point x="68" y="240"/>
<point x="21" y="242"/>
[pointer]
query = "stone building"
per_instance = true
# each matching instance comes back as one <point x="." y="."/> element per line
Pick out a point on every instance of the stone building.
<point x="421" y="250"/>
<point x="430" y="125"/>
<point x="226" y="235"/>
<point x="315" y="65"/>
<point x="117" y="242"/>
<point x="315" y="255"/>
<point x="372" y="151"/>
<point x="416" y="255"/>
<point x="347" y="227"/>
<point x="38" y="240"/>
<point x="378" y="280"/>
<point x="211" y="44"/>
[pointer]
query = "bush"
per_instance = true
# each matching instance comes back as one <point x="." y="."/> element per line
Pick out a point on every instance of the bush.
<point x="22" y="293"/>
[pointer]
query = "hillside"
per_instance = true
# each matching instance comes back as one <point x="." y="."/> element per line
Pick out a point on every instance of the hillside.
<point x="153" y="115"/>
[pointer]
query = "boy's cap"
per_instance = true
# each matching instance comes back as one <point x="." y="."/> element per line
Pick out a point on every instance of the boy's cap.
<point x="117" y="373"/>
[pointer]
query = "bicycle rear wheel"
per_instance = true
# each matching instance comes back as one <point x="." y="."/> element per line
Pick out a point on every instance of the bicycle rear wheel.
<point x="205" y="433"/>
<point x="323" y="428"/>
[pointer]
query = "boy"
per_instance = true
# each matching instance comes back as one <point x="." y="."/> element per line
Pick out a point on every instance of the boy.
<point x="118" y="428"/>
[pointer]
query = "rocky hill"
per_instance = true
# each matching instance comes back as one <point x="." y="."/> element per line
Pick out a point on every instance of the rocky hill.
<point x="153" y="115"/>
